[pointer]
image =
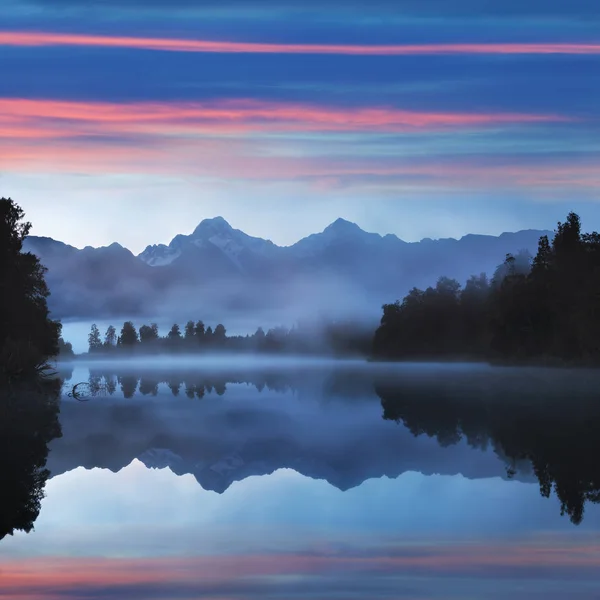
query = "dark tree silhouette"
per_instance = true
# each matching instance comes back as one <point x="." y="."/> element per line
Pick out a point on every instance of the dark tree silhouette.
<point x="333" y="337"/>
<point x="199" y="331"/>
<point x="94" y="341"/>
<point x="175" y="333"/>
<point x="129" y="335"/>
<point x="28" y="337"/>
<point x="544" y="309"/>
<point x="148" y="333"/>
<point x="110" y="337"/>
<point x="65" y="350"/>
<point x="220" y="334"/>
<point x="190" y="331"/>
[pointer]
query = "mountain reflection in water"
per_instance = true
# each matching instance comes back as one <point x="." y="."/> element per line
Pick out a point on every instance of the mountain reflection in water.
<point x="332" y="481"/>
<point x="539" y="421"/>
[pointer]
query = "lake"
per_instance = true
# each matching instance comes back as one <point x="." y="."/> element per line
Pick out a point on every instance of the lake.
<point x="236" y="478"/>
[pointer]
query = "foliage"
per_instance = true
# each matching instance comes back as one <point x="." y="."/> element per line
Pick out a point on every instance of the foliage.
<point x="110" y="337"/>
<point x="338" y="338"/>
<point x="129" y="335"/>
<point x="94" y="341"/>
<point x="28" y="337"/>
<point x="539" y="309"/>
<point x="65" y="350"/>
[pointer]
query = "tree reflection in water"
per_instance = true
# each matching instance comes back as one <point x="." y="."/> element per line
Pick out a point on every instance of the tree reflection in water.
<point x="28" y="423"/>
<point x="540" y="420"/>
<point x="548" y="418"/>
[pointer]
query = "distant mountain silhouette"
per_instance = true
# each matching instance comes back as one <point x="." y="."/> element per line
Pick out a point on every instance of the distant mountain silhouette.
<point x="221" y="268"/>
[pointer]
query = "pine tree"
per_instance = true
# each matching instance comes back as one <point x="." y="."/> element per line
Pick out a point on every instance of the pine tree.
<point x="175" y="333"/>
<point x="129" y="335"/>
<point x="110" y="337"/>
<point x="190" y="331"/>
<point x="94" y="341"/>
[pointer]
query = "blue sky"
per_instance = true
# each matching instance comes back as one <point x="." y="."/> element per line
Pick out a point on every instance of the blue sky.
<point x="132" y="121"/>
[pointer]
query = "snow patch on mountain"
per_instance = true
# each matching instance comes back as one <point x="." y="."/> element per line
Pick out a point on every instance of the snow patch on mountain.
<point x="159" y="255"/>
<point x="215" y="232"/>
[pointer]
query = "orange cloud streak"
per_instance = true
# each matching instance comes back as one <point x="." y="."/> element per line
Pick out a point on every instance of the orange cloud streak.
<point x="24" y="38"/>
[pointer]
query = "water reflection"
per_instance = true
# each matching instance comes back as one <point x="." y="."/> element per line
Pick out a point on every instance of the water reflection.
<point x="110" y="378"/>
<point x="28" y="423"/>
<point x="543" y="418"/>
<point x="224" y="425"/>
<point x="443" y="504"/>
<point x="538" y="424"/>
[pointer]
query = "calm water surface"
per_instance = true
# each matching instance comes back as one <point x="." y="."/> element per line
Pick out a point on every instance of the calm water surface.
<point x="230" y="479"/>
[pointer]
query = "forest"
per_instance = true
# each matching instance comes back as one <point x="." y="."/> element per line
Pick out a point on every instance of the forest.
<point x="542" y="310"/>
<point x="331" y="338"/>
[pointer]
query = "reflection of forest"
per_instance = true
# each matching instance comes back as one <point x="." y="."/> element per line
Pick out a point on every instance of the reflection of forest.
<point x="195" y="383"/>
<point x="549" y="419"/>
<point x="190" y="383"/>
<point x="28" y="423"/>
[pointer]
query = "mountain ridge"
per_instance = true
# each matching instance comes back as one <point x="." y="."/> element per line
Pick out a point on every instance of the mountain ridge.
<point x="216" y="268"/>
<point x="332" y="226"/>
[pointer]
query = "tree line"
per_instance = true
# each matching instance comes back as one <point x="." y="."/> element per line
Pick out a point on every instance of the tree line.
<point x="542" y="308"/>
<point x="338" y="338"/>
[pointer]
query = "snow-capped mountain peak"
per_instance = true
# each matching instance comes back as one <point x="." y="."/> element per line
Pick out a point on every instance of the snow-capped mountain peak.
<point x="159" y="255"/>
<point x="209" y="234"/>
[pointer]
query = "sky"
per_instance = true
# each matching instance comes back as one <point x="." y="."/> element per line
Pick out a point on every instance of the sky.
<point x="132" y="121"/>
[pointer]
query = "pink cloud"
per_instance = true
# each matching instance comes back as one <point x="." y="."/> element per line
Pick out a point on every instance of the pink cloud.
<point x="221" y="139"/>
<point x="27" y="38"/>
<point x="235" y="159"/>
<point x="236" y="116"/>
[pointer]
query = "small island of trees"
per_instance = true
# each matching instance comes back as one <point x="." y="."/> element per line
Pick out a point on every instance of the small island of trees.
<point x="340" y="339"/>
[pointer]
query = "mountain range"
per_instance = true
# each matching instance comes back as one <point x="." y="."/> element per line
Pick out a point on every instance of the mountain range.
<point x="217" y="270"/>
